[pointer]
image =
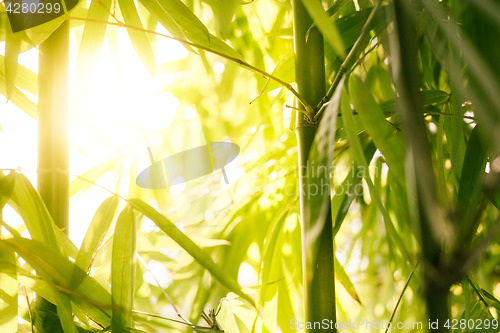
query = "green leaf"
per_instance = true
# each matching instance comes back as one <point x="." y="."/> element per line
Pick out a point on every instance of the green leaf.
<point x="36" y="217"/>
<point x="344" y="279"/>
<point x="123" y="265"/>
<point x="473" y="170"/>
<point x="8" y="291"/>
<point x="178" y="19"/>
<point x="327" y="28"/>
<point x="285" y="70"/>
<point x="64" y="312"/>
<point x="429" y="97"/>
<point x="92" y="39"/>
<point x="18" y="98"/>
<point x="6" y="187"/>
<point x="63" y="275"/>
<point x="342" y="201"/>
<point x="96" y="232"/>
<point x="90" y="176"/>
<point x="383" y="134"/>
<point x="320" y="157"/>
<point x="360" y="159"/>
<point x="190" y="247"/>
<point x="189" y="23"/>
<point x="25" y="78"/>
<point x="165" y="19"/>
<point x="137" y="35"/>
<point x="12" y="49"/>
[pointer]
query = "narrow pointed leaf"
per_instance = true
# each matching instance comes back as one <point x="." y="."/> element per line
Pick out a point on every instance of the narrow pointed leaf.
<point x="63" y="275"/>
<point x="18" y="98"/>
<point x="90" y="176"/>
<point x="383" y="134"/>
<point x="123" y="267"/>
<point x="92" y="39"/>
<point x="36" y="217"/>
<point x="138" y="37"/>
<point x="8" y="291"/>
<point x="343" y="278"/>
<point x="25" y="79"/>
<point x="178" y="19"/>
<point x="473" y="170"/>
<point x="190" y="247"/>
<point x="327" y="27"/>
<point x="65" y="312"/>
<point x="12" y="49"/>
<point x="360" y="159"/>
<point x="96" y="232"/>
<point x="285" y="70"/>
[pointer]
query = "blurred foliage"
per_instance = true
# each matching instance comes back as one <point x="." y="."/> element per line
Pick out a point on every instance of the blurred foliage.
<point x="165" y="267"/>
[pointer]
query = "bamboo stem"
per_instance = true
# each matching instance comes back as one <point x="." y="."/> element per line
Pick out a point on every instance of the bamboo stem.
<point x="428" y="225"/>
<point x="317" y="252"/>
<point x="53" y="156"/>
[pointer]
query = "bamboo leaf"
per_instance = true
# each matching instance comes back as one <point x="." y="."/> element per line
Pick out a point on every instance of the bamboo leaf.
<point x="12" y="50"/>
<point x="6" y="187"/>
<point x="123" y="267"/>
<point x="383" y="134"/>
<point x="92" y="39"/>
<point x="183" y="24"/>
<point x="187" y="244"/>
<point x="344" y="279"/>
<point x="65" y="312"/>
<point x="18" y="98"/>
<point x="342" y="201"/>
<point x="138" y="37"/>
<point x="90" y="176"/>
<point x="64" y="276"/>
<point x="191" y="26"/>
<point x="158" y="13"/>
<point x="25" y="79"/>
<point x="8" y="290"/>
<point x="469" y="190"/>
<point x="36" y="217"/>
<point x="96" y="232"/>
<point x="285" y="70"/>
<point x="429" y="97"/>
<point x="361" y="161"/>
<point x="327" y="28"/>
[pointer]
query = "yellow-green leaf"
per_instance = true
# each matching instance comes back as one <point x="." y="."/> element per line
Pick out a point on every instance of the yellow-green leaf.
<point x="123" y="265"/>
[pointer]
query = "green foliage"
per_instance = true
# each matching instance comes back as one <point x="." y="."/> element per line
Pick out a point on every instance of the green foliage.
<point x="407" y="123"/>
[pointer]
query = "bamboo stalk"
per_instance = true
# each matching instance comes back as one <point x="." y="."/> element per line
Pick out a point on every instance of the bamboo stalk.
<point x="317" y="252"/>
<point x="428" y="225"/>
<point x="53" y="155"/>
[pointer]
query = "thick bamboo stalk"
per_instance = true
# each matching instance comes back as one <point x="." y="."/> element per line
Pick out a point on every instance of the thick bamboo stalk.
<point x="317" y="253"/>
<point x="427" y="225"/>
<point x="53" y="154"/>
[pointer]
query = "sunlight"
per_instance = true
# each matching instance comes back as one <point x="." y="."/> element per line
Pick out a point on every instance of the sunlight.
<point x="124" y="110"/>
<point x="125" y="106"/>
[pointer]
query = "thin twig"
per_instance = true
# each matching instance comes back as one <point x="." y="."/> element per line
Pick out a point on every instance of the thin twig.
<point x="478" y="292"/>
<point x="349" y="60"/>
<point x="143" y="262"/>
<point x="401" y="295"/>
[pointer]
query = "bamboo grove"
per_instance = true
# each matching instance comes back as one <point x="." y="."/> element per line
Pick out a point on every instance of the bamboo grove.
<point x="363" y="195"/>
